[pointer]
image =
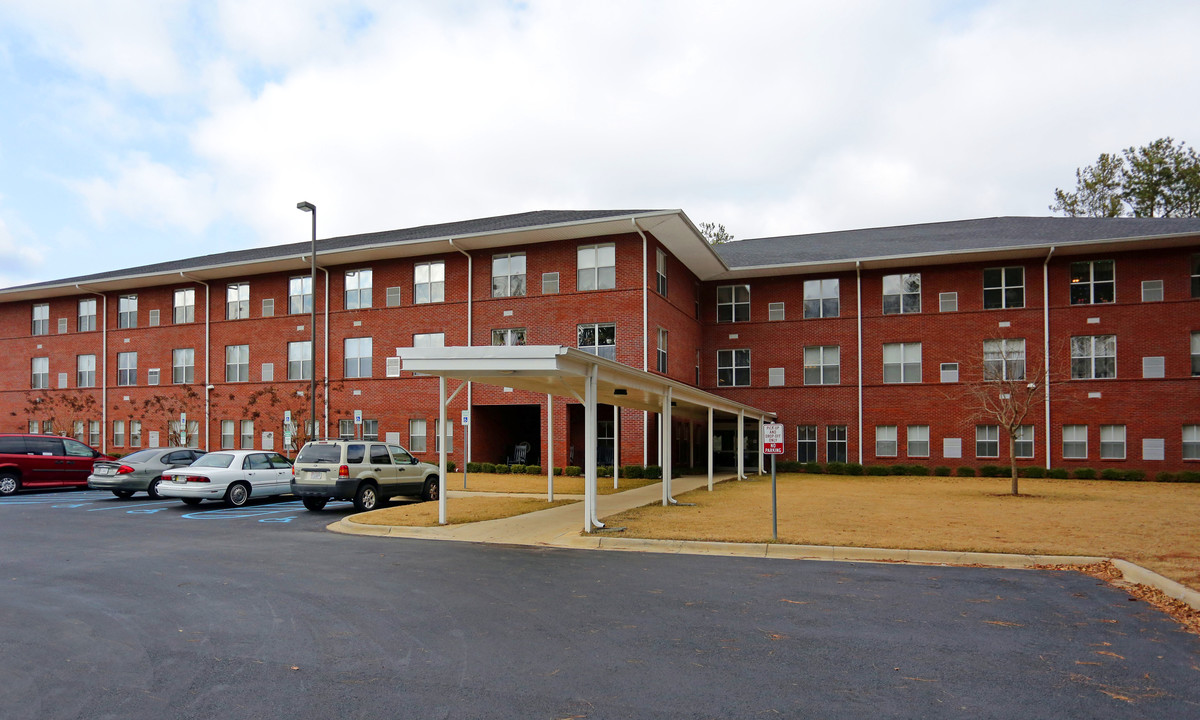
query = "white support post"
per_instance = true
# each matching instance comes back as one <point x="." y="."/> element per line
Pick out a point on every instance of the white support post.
<point x="548" y="456"/>
<point x="666" y="449"/>
<point x="741" y="444"/>
<point x="442" y="450"/>
<point x="762" y="456"/>
<point x="691" y="444"/>
<point x="589" y="451"/>
<point x="616" y="446"/>
<point x="711" y="431"/>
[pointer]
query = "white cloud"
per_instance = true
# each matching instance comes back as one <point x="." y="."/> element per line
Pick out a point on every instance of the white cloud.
<point x="19" y="258"/>
<point x="155" y="194"/>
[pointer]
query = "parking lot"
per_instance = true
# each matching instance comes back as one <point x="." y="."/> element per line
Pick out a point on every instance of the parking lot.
<point x="151" y="609"/>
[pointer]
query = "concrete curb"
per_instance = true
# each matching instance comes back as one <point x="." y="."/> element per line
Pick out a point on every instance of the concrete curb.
<point x="1141" y="576"/>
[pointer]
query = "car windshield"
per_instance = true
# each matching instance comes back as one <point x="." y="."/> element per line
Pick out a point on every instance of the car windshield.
<point x="320" y="453"/>
<point x="141" y="456"/>
<point x="214" y="460"/>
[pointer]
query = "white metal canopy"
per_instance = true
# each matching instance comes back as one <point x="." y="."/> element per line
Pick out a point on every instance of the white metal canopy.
<point x="569" y="372"/>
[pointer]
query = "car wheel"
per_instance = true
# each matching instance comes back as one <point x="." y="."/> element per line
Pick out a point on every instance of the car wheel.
<point x="190" y="501"/>
<point x="9" y="483"/>
<point x="315" y="503"/>
<point x="152" y="488"/>
<point x="367" y="497"/>
<point x="237" y="495"/>
<point x="430" y="491"/>
<point x="123" y="494"/>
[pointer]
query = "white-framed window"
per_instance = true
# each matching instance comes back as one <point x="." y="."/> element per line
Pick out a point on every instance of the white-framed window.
<point x="93" y="432"/>
<point x="80" y="433"/>
<point x="357" y="359"/>
<point x="662" y="350"/>
<point x="429" y="340"/>
<point x="358" y="289"/>
<point x="1023" y="446"/>
<point x="835" y="443"/>
<point x="247" y="435"/>
<point x="733" y="368"/>
<point x="1196" y="275"/>
<point x="135" y="433"/>
<point x="127" y="368"/>
<point x="885" y="441"/>
<point x="41" y="319"/>
<point x="184" y="306"/>
<point x="268" y="307"/>
<point x="550" y="283"/>
<point x="1075" y="442"/>
<point x="596" y="267"/>
<point x="775" y="312"/>
<point x="118" y="434"/>
<point x="822" y="298"/>
<point x="1093" y="281"/>
<point x="987" y="441"/>
<point x="40" y="373"/>
<point x="806" y="443"/>
<point x="300" y="295"/>
<point x="917" y="441"/>
<point x="1191" y="442"/>
<point x="902" y="294"/>
<point x="152" y="376"/>
<point x="902" y="362"/>
<point x="508" y="275"/>
<point x="416" y="435"/>
<point x="237" y="363"/>
<point x="228" y="434"/>
<point x="1152" y="290"/>
<point x="429" y="282"/>
<point x="183" y="365"/>
<point x="661" y="271"/>
<point x="237" y="301"/>
<point x="510" y="337"/>
<point x="1195" y="354"/>
<point x="822" y="365"/>
<point x="1112" y="442"/>
<point x="437" y="436"/>
<point x="127" y="311"/>
<point x="153" y="317"/>
<point x="1003" y="287"/>
<point x="948" y="302"/>
<point x="87" y="314"/>
<point x="33" y="427"/>
<point x="85" y="371"/>
<point x="300" y="360"/>
<point x="949" y="372"/>
<point x="598" y="339"/>
<point x="346" y="429"/>
<point x="393" y="297"/>
<point x="1004" y="359"/>
<point x="1093" y="357"/>
<point x="733" y="303"/>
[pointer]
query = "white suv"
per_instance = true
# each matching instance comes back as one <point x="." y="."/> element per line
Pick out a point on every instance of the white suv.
<point x="365" y="471"/>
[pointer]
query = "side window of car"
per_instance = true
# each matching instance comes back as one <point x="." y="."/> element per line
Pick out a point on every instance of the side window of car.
<point x="45" y="446"/>
<point x="400" y="456"/>
<point x="279" y="462"/>
<point x="257" y="461"/>
<point x="12" y="445"/>
<point x="380" y="455"/>
<point x="74" y="448"/>
<point x="178" y="458"/>
<point x="355" y="453"/>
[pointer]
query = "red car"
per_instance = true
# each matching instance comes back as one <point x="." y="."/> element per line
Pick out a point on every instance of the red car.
<point x="44" y="461"/>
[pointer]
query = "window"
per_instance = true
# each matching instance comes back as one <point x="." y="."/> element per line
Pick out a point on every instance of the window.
<point x="1112" y="442"/>
<point x="918" y="441"/>
<point x="429" y="340"/>
<point x="85" y="371"/>
<point x="822" y="365"/>
<point x="1196" y="275"/>
<point x="370" y="429"/>
<point x="1003" y="288"/>
<point x="599" y="339"/>
<point x="227" y="434"/>
<point x="416" y="435"/>
<point x="949" y="372"/>
<point x="358" y="289"/>
<point x="237" y="301"/>
<point x="662" y="350"/>
<point x="508" y="275"/>
<point x="127" y="311"/>
<point x="429" y="282"/>
<point x="135" y="433"/>
<point x="393" y="297"/>
<point x="821" y="298"/>
<point x="1152" y="290"/>
<point x="733" y="303"/>
<point x="885" y="441"/>
<point x="237" y="363"/>
<point x="901" y="294"/>
<point x="41" y="319"/>
<point x="806" y="443"/>
<point x="1074" y="442"/>
<point x="550" y="283"/>
<point x="948" y="302"/>
<point x="268" y="307"/>
<point x="358" y="357"/>
<point x="346" y="429"/>
<point x="1191" y="442"/>
<point x="508" y="336"/>
<point x="733" y="368"/>
<point x="183" y="365"/>
<point x="153" y="318"/>
<point x="127" y="368"/>
<point x="87" y="314"/>
<point x="1004" y="359"/>
<point x="902" y="362"/>
<point x="1195" y="354"/>
<point x="247" y="435"/>
<point x="1093" y="357"/>
<point x="118" y="434"/>
<point x="776" y="377"/>
<point x="40" y="373"/>
<point x="93" y="432"/>
<point x="1093" y="281"/>
<point x="1023" y="442"/>
<point x="775" y="311"/>
<point x="835" y="443"/>
<point x="185" y="306"/>
<point x="987" y="441"/>
<point x="661" y="272"/>
<point x="80" y="431"/>
<point x="152" y="376"/>
<point x="596" y="267"/>
<point x="300" y="360"/>
<point x="300" y="297"/>
<point x="437" y="436"/>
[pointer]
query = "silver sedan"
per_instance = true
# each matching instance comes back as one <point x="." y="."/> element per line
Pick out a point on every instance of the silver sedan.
<point x="234" y="476"/>
<point x="139" y="471"/>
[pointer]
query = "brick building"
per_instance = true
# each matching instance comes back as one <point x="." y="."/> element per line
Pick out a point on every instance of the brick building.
<point x="865" y="344"/>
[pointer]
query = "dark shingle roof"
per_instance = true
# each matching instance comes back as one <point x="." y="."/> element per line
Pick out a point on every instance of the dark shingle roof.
<point x="945" y="237"/>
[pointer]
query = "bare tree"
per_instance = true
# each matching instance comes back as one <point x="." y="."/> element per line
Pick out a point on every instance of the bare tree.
<point x="167" y="404"/>
<point x="61" y="409"/>
<point x="715" y="233"/>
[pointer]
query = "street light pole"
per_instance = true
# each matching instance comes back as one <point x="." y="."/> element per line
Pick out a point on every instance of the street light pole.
<point x="312" y="348"/>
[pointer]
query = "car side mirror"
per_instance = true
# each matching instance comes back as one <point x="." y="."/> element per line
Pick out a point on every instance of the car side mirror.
<point x="412" y="460"/>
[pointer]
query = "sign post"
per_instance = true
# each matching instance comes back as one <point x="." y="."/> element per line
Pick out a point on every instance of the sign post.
<point x="358" y="424"/>
<point x="773" y="445"/>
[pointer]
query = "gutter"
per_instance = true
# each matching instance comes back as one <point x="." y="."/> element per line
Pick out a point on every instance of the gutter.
<point x="470" y="338"/>
<point x="645" y="344"/>
<point x="859" y="322"/>
<point x="207" y="384"/>
<point x="1046" y="343"/>
<point x="103" y="370"/>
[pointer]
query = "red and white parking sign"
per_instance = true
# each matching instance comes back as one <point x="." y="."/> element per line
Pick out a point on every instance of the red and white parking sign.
<point x="773" y="438"/>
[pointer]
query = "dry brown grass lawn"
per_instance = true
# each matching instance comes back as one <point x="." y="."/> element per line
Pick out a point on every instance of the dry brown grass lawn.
<point x="494" y="482"/>
<point x="458" y="510"/>
<point x="1155" y="525"/>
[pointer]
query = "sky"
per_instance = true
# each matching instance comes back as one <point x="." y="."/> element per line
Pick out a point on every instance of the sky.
<point x="138" y="131"/>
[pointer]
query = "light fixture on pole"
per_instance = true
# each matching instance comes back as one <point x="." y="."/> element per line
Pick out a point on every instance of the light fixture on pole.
<point x="312" y="348"/>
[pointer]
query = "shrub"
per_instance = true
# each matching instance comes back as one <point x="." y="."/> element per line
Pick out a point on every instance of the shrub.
<point x="814" y="468"/>
<point x="789" y="466"/>
<point x="854" y="469"/>
<point x="503" y="470"/>
<point x="533" y="469"/>
<point x="517" y="469"/>
<point x="1033" y="471"/>
<point x="1058" y="473"/>
<point x="653" y="472"/>
<point x="604" y="471"/>
<point x="1084" y="474"/>
<point x="487" y="467"/>
<point x="474" y="467"/>
<point x="560" y="471"/>
<point x="450" y="466"/>
<point x="1135" y="475"/>
<point x="1112" y="474"/>
<point x="966" y="471"/>
<point x="877" y="470"/>
<point x="1166" y="477"/>
<point x="992" y="471"/>
<point x="633" y="472"/>
<point x="574" y="471"/>
<point x="836" y="468"/>
<point x="918" y="470"/>
<point x="941" y="471"/>
<point x="1189" y="476"/>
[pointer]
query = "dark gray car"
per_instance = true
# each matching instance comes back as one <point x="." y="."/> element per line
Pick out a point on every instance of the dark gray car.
<point x="139" y="471"/>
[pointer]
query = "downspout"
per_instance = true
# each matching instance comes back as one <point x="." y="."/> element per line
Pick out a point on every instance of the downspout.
<point x="1046" y="343"/>
<point x="645" y="342"/>
<point x="207" y="384"/>
<point x="325" y="381"/>
<point x="470" y="337"/>
<point x="858" y="284"/>
<point x="103" y="370"/>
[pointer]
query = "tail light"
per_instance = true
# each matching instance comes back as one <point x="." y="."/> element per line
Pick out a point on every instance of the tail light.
<point x="344" y="471"/>
<point x="197" y="478"/>
<point x="124" y="470"/>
